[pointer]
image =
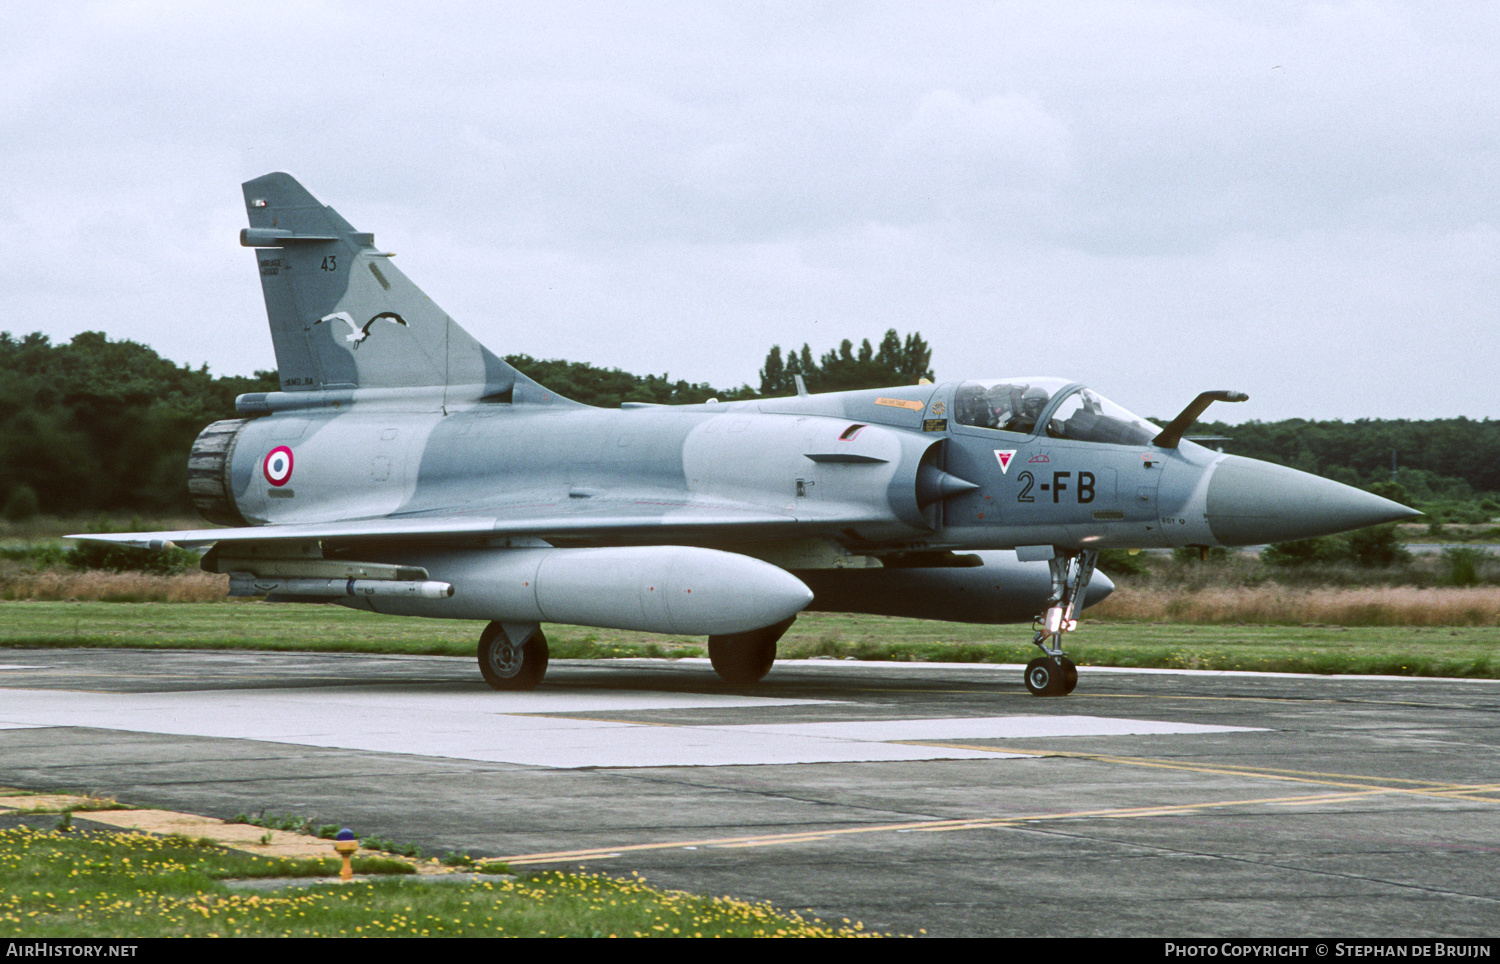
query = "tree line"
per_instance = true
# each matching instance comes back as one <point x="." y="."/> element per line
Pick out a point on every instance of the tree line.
<point x="1431" y="461"/>
<point x="896" y="362"/>
<point x="99" y="425"/>
<point x="105" y="426"/>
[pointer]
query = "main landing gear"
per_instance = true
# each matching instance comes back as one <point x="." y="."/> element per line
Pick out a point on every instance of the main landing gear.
<point x="512" y="656"/>
<point x="744" y="658"/>
<point x="1054" y="674"/>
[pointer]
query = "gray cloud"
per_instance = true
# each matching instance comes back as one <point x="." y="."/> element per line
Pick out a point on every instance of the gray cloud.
<point x="1294" y="199"/>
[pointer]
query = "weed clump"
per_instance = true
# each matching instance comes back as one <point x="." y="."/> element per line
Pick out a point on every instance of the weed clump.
<point x="1461" y="565"/>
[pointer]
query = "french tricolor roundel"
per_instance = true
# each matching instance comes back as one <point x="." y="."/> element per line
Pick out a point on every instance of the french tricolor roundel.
<point x="278" y="465"/>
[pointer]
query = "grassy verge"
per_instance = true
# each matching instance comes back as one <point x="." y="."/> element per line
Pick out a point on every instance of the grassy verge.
<point x="1320" y="647"/>
<point x="1469" y="651"/>
<point x="81" y="884"/>
<point x="292" y="628"/>
<point x="1274" y="604"/>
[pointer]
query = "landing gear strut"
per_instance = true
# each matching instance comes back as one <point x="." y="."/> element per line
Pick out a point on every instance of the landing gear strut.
<point x="1054" y="674"/>
<point x="747" y="657"/>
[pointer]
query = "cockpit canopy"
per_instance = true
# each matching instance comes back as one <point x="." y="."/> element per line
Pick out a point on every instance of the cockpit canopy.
<point x="1058" y="408"/>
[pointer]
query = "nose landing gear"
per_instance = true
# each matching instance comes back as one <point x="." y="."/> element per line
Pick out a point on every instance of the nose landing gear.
<point x="1051" y="676"/>
<point x="1054" y="674"/>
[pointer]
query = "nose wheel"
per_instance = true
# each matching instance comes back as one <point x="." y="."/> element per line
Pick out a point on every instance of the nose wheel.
<point x="1054" y="674"/>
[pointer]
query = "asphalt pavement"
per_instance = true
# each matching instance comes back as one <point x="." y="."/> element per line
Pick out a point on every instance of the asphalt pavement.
<point x="914" y="798"/>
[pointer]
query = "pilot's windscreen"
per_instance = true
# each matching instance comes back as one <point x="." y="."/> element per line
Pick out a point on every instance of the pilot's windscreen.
<point x="1087" y="417"/>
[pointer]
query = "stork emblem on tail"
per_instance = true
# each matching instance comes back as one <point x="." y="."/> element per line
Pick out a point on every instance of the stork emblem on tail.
<point x="356" y="333"/>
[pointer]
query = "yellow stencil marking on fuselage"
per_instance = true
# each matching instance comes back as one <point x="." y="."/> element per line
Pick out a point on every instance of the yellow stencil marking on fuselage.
<point x="901" y="403"/>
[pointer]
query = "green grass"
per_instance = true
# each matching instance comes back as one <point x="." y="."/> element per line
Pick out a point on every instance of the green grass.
<point x="83" y="884"/>
<point x="1472" y="651"/>
<point x="1468" y="651"/>
<point x="291" y="627"/>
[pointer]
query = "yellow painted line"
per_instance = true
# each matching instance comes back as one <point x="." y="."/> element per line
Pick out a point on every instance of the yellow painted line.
<point x="966" y="825"/>
<point x="597" y="852"/>
<point x="1279" y="771"/>
<point x="1340" y="797"/>
<point x="1351" y="780"/>
<point x="1355" y="788"/>
<point x="805" y="838"/>
<point x="934" y="826"/>
<point x="1116" y="813"/>
<point x="1466" y="793"/>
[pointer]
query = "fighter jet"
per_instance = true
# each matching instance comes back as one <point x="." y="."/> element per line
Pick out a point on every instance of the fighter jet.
<point x="403" y="468"/>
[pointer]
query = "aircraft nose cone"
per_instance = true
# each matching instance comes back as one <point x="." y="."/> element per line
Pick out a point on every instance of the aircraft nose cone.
<point x="1252" y="502"/>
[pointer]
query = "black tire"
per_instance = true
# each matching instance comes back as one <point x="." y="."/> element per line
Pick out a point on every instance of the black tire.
<point x="744" y="658"/>
<point x="506" y="666"/>
<point x="1070" y="676"/>
<point x="1044" y="677"/>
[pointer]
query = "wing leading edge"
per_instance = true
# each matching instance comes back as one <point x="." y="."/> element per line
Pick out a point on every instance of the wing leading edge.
<point x="654" y="521"/>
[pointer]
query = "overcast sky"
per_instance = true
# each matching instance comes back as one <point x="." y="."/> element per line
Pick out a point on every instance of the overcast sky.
<point x="1294" y="200"/>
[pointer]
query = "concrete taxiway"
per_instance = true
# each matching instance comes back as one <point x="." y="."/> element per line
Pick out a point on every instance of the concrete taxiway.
<point x="909" y="797"/>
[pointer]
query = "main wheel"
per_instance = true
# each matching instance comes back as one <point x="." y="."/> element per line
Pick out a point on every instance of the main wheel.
<point x="744" y="658"/>
<point x="508" y="666"/>
<point x="1045" y="678"/>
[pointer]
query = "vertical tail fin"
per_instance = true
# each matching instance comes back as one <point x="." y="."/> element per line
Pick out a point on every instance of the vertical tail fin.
<point x="343" y="316"/>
